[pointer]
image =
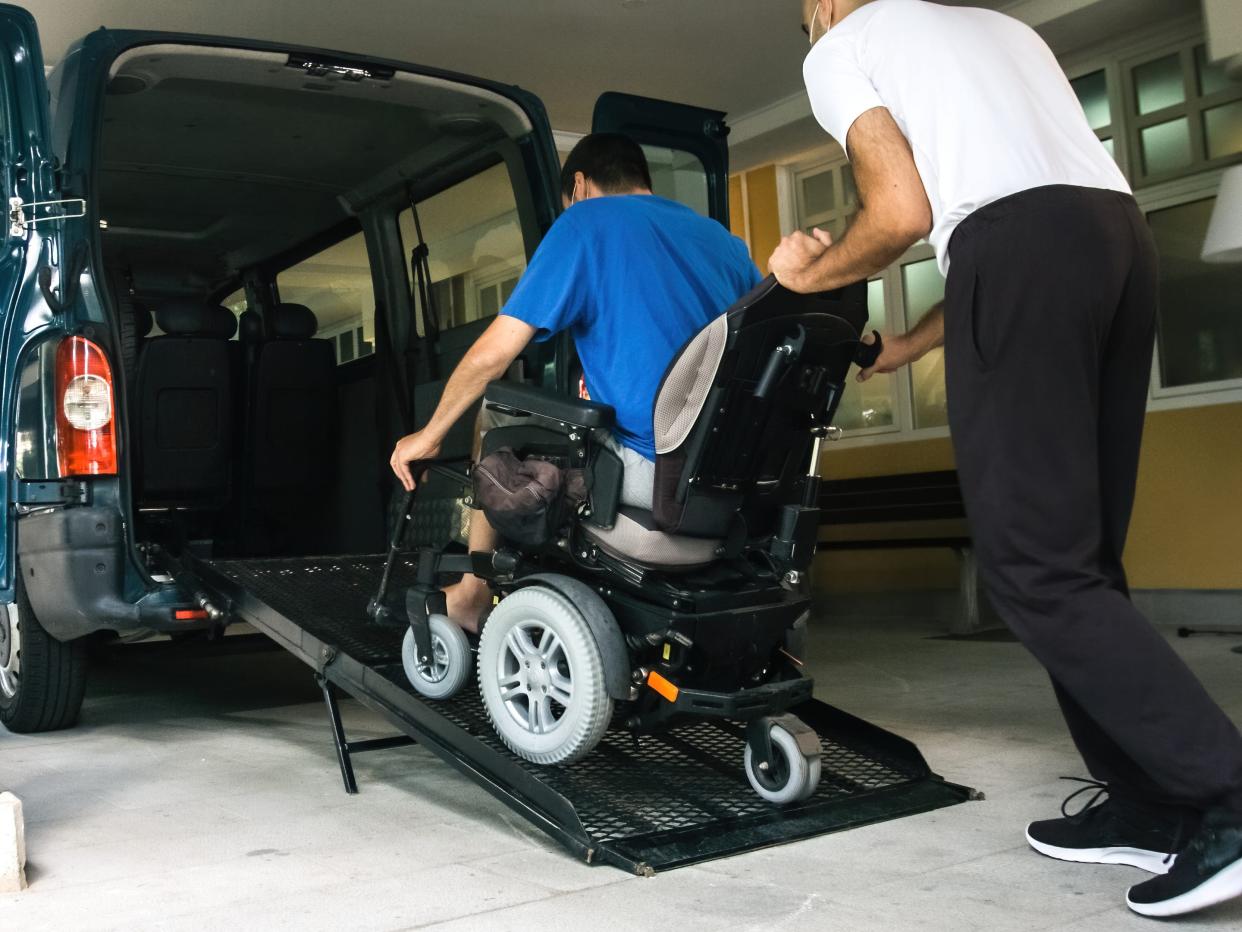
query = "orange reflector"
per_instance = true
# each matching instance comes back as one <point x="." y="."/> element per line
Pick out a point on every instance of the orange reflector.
<point x="190" y="614"/>
<point x="662" y="686"/>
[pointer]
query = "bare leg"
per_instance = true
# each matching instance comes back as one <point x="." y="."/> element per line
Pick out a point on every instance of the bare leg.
<point x="468" y="599"/>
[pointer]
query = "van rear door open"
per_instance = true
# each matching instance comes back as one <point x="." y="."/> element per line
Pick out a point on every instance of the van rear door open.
<point x="27" y="172"/>
<point x="687" y="148"/>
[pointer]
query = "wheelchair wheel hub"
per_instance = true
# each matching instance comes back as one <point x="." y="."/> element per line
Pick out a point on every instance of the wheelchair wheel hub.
<point x="536" y="682"/>
<point x="438" y="668"/>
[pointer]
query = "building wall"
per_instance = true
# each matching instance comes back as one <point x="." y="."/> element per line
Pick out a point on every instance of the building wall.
<point x="1187" y="526"/>
<point x="754" y="209"/>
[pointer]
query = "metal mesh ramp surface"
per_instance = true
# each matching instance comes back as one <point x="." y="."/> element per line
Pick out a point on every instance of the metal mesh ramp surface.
<point x="641" y="802"/>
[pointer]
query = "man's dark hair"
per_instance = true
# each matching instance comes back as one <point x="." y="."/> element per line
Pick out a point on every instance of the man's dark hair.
<point x="615" y="164"/>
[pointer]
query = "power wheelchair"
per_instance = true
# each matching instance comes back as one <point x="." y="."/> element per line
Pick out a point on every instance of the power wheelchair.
<point x="695" y="609"/>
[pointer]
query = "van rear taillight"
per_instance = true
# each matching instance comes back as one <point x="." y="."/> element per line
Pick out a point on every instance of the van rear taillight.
<point x="85" y="409"/>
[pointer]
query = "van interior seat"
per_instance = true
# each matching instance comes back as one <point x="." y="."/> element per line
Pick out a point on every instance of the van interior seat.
<point x="184" y="399"/>
<point x="290" y="457"/>
<point x="293" y="404"/>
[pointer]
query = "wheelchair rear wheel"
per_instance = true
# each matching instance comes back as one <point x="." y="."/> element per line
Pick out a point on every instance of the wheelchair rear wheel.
<point x="542" y="677"/>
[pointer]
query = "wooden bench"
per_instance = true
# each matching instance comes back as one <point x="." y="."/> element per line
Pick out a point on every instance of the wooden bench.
<point x="917" y="510"/>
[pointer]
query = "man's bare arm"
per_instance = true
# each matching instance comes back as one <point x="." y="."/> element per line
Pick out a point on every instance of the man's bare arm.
<point x="894" y="214"/>
<point x="487" y="360"/>
<point x="903" y="348"/>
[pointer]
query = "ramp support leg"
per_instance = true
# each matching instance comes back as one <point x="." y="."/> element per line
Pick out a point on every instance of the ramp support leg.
<point x="345" y="749"/>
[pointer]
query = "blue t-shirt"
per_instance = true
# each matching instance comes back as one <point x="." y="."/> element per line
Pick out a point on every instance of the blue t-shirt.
<point x="632" y="277"/>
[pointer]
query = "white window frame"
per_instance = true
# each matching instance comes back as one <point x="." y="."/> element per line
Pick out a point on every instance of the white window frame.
<point x="1226" y="391"/>
<point x="495" y="277"/>
<point x="1116" y="129"/>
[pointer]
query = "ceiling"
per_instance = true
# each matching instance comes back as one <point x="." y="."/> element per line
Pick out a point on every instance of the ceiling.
<point x="739" y="56"/>
<point x="734" y="55"/>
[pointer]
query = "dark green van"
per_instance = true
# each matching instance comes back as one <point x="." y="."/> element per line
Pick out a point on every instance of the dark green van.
<point x="235" y="272"/>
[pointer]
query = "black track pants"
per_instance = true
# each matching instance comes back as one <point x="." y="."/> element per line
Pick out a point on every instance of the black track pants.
<point x="1049" y="326"/>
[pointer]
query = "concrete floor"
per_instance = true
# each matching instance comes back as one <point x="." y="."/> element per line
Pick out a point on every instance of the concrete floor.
<point x="200" y="792"/>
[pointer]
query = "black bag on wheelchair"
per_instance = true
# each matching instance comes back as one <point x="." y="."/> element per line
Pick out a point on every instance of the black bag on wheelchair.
<point x="524" y="499"/>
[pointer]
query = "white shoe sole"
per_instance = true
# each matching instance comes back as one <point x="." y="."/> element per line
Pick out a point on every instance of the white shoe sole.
<point x="1221" y="887"/>
<point x="1154" y="862"/>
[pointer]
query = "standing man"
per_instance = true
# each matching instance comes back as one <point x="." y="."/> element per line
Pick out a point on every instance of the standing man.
<point x="962" y="128"/>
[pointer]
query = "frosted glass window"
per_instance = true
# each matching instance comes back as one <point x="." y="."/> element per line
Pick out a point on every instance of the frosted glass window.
<point x="1111" y="146"/>
<point x="818" y="196"/>
<point x="924" y="287"/>
<point x="1159" y="84"/>
<point x="1092" y="91"/>
<point x="869" y="404"/>
<point x="1223" y="128"/>
<point x="1200" y="303"/>
<point x="1212" y="76"/>
<point x="1166" y="146"/>
<point x="848" y="185"/>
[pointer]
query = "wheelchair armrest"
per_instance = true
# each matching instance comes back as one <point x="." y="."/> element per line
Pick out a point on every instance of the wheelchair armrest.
<point x="517" y="398"/>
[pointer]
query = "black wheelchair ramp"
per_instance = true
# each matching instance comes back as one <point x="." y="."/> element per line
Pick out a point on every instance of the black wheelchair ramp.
<point x="644" y="803"/>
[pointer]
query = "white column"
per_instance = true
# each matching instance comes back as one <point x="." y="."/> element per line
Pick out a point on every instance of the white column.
<point x="12" y="845"/>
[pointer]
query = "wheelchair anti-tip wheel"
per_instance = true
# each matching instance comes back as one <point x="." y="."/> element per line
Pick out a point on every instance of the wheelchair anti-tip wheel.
<point x="449" y="669"/>
<point x="790" y="777"/>
<point x="542" y="677"/>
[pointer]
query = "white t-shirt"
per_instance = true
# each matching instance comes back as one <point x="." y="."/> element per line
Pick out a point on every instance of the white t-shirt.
<point x="980" y="96"/>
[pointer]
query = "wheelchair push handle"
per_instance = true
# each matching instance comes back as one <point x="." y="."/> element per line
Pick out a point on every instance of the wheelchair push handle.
<point x="867" y="354"/>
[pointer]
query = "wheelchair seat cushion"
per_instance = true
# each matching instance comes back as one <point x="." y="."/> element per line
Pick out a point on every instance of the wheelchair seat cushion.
<point x="636" y="538"/>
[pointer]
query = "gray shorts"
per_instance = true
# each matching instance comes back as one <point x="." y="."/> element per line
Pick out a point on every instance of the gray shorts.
<point x="637" y="479"/>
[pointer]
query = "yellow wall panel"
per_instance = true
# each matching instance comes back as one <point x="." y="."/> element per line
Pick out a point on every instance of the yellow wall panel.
<point x="1187" y="527"/>
<point x="765" y="219"/>
<point x="737" y="210"/>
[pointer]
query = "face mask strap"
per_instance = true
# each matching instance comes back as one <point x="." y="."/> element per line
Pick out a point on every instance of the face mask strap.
<point x="814" y="20"/>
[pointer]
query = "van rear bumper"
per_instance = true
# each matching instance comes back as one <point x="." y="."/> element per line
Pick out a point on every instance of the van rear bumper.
<point x="73" y="563"/>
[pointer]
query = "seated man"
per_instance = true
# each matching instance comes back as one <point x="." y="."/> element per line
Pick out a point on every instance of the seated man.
<point x="632" y="277"/>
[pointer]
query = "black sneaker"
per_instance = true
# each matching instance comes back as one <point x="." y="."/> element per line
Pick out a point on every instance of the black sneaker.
<point x="1207" y="872"/>
<point x="1116" y="831"/>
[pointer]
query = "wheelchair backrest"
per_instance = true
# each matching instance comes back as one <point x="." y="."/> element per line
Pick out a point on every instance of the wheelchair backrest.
<point x="735" y="410"/>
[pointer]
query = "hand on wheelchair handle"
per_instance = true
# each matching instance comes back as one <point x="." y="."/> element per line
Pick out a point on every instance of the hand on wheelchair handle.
<point x="411" y="449"/>
<point x="869" y="353"/>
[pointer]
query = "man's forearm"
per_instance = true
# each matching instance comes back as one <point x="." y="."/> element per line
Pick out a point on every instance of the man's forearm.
<point x="928" y="333"/>
<point x="465" y="386"/>
<point x="868" y="247"/>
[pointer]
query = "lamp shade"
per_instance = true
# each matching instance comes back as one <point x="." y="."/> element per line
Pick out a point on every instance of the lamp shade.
<point x="1224" y="235"/>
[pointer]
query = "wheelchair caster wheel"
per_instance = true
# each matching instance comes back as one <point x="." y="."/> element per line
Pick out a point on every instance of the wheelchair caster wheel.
<point x="791" y="776"/>
<point x="450" y="660"/>
<point x="541" y="675"/>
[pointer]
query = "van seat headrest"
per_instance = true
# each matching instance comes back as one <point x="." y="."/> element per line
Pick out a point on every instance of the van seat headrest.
<point x="293" y="322"/>
<point x="250" y="327"/>
<point x="187" y="318"/>
<point x="143" y="321"/>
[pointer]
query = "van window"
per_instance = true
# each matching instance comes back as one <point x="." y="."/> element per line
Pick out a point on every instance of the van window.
<point x="475" y="246"/>
<point x="336" y="285"/>
<point x="236" y="302"/>
<point x="679" y="176"/>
